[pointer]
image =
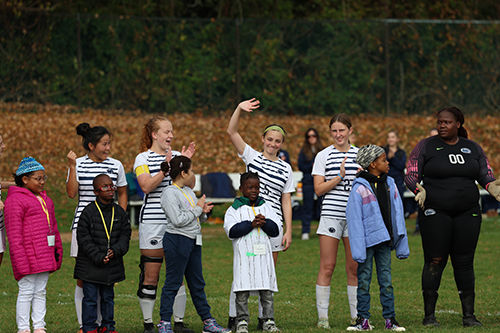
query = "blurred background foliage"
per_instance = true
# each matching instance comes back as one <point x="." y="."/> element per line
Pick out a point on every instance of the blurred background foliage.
<point x="298" y="57"/>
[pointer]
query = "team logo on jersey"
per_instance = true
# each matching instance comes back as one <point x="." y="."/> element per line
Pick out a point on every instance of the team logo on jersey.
<point x="429" y="212"/>
<point x="439" y="148"/>
<point x="109" y="171"/>
<point x="465" y="150"/>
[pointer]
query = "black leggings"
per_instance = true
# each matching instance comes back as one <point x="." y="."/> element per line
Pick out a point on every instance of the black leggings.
<point x="451" y="234"/>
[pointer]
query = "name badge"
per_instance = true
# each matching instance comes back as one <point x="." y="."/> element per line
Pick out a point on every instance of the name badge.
<point x="259" y="249"/>
<point x="198" y="240"/>
<point x="51" y="240"/>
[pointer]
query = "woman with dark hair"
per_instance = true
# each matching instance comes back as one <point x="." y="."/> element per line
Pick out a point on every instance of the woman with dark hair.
<point x="81" y="171"/>
<point x="442" y="171"/>
<point x="311" y="146"/>
<point x="397" y="161"/>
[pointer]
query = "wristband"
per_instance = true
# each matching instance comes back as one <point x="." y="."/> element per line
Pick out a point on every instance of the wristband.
<point x="341" y="178"/>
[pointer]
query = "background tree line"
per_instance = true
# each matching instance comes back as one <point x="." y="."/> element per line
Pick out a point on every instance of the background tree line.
<point x="297" y="56"/>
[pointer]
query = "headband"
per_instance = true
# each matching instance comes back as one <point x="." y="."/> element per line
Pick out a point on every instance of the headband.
<point x="275" y="128"/>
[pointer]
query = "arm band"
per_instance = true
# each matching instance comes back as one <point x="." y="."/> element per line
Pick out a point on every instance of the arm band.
<point x="141" y="169"/>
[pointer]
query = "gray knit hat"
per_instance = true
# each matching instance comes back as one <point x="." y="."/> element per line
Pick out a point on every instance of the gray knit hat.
<point x="367" y="154"/>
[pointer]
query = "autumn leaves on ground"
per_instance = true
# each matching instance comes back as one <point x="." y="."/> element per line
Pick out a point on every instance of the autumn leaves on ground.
<point x="47" y="132"/>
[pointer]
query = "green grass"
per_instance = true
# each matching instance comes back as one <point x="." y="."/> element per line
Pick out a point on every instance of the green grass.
<point x="295" y="303"/>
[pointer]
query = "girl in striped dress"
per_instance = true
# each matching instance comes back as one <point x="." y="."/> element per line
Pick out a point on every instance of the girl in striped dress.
<point x="156" y="148"/>
<point x="276" y="181"/>
<point x="334" y="171"/>
<point x="97" y="142"/>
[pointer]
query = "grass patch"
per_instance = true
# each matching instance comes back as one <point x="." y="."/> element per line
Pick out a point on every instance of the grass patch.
<point x="295" y="303"/>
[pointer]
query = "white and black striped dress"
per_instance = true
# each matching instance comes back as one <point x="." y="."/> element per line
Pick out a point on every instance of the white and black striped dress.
<point x="150" y="162"/>
<point x="86" y="171"/>
<point x="327" y="163"/>
<point x="275" y="177"/>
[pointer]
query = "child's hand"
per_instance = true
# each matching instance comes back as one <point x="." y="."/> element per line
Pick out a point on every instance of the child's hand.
<point x="105" y="260"/>
<point x="207" y="207"/>
<point x="201" y="201"/>
<point x="71" y="159"/>
<point x="110" y="254"/>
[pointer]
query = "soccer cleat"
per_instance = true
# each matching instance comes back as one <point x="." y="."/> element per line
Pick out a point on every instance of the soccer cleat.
<point x="270" y="326"/>
<point x="165" y="327"/>
<point x="210" y="326"/>
<point x="242" y="327"/>
<point x="361" y="324"/>
<point x="305" y="236"/>
<point x="40" y="330"/>
<point x="471" y="321"/>
<point x="393" y="325"/>
<point x="24" y="331"/>
<point x="180" y="327"/>
<point x="149" y="328"/>
<point x="323" y="323"/>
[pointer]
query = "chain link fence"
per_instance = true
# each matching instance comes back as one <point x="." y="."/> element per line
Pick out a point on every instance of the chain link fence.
<point x="294" y="67"/>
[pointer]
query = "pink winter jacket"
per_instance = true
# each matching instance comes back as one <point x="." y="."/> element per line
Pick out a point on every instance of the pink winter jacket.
<point x="27" y="230"/>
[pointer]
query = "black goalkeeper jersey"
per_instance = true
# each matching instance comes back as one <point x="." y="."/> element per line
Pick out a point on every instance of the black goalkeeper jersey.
<point x="448" y="172"/>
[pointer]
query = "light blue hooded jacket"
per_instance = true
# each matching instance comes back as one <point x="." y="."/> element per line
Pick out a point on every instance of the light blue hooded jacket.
<point x="366" y="225"/>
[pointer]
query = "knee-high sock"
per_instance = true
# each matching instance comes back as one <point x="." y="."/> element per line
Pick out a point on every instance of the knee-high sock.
<point x="78" y="303"/>
<point x="147" y="307"/>
<point x="322" y="301"/>
<point x="232" y="304"/>
<point x="179" y="307"/>
<point x="352" y="296"/>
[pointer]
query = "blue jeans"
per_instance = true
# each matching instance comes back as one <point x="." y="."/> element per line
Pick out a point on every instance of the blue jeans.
<point x="183" y="258"/>
<point x="89" y="306"/>
<point x="382" y="254"/>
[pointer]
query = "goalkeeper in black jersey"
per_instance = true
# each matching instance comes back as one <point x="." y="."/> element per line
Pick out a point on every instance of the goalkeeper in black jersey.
<point x="442" y="171"/>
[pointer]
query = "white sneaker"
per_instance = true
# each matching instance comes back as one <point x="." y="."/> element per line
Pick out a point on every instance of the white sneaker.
<point x="242" y="327"/>
<point x="323" y="323"/>
<point x="270" y="326"/>
<point x="305" y="236"/>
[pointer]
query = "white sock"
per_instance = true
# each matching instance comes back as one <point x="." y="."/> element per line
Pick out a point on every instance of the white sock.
<point x="232" y="304"/>
<point x="352" y="296"/>
<point x="147" y="307"/>
<point x="322" y="301"/>
<point x="78" y="303"/>
<point x="179" y="307"/>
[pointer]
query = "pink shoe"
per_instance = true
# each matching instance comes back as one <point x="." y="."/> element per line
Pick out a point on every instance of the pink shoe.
<point x="40" y="330"/>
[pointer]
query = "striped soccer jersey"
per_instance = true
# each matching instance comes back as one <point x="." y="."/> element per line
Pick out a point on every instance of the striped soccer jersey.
<point x="150" y="162"/>
<point x="327" y="164"/>
<point x="86" y="171"/>
<point x="275" y="177"/>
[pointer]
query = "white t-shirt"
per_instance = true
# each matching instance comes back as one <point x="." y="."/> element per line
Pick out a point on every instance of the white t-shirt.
<point x="150" y="162"/>
<point x="86" y="171"/>
<point x="327" y="164"/>
<point x="275" y="177"/>
<point x="251" y="270"/>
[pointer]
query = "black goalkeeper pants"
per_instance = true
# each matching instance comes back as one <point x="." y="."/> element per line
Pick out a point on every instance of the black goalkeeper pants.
<point x="449" y="234"/>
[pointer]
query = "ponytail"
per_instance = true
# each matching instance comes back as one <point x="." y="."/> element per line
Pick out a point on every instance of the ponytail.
<point x="147" y="132"/>
<point x="91" y="135"/>
<point x="176" y="166"/>
<point x="459" y="116"/>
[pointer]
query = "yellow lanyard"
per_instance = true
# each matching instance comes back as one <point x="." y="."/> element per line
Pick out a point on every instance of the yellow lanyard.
<point x="188" y="197"/>
<point x="108" y="234"/>
<point x="45" y="210"/>
<point x="255" y="214"/>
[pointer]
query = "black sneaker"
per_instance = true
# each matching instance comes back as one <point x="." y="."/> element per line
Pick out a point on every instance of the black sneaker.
<point x="149" y="328"/>
<point x="471" y="321"/>
<point x="260" y="324"/>
<point x="430" y="321"/>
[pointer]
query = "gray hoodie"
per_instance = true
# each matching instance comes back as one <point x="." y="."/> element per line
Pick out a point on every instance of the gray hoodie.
<point x="182" y="217"/>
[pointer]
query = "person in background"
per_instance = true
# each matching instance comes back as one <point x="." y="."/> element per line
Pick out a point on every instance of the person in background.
<point x="35" y="245"/>
<point x="397" y="161"/>
<point x="81" y="171"/>
<point x="442" y="171"/>
<point x="311" y="146"/>
<point x="5" y="185"/>
<point x="283" y="155"/>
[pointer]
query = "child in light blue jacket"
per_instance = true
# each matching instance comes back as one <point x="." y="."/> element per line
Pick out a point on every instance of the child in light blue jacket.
<point x="376" y="225"/>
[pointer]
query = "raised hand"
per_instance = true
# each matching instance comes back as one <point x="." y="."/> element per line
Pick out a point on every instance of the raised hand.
<point x="342" y="167"/>
<point x="189" y="152"/>
<point x="71" y="159"/>
<point x="249" y="105"/>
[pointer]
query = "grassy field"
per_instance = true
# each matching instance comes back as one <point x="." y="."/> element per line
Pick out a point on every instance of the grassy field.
<point x="295" y="303"/>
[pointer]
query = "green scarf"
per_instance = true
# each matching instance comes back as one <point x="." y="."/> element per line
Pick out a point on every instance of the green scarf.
<point x="244" y="201"/>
